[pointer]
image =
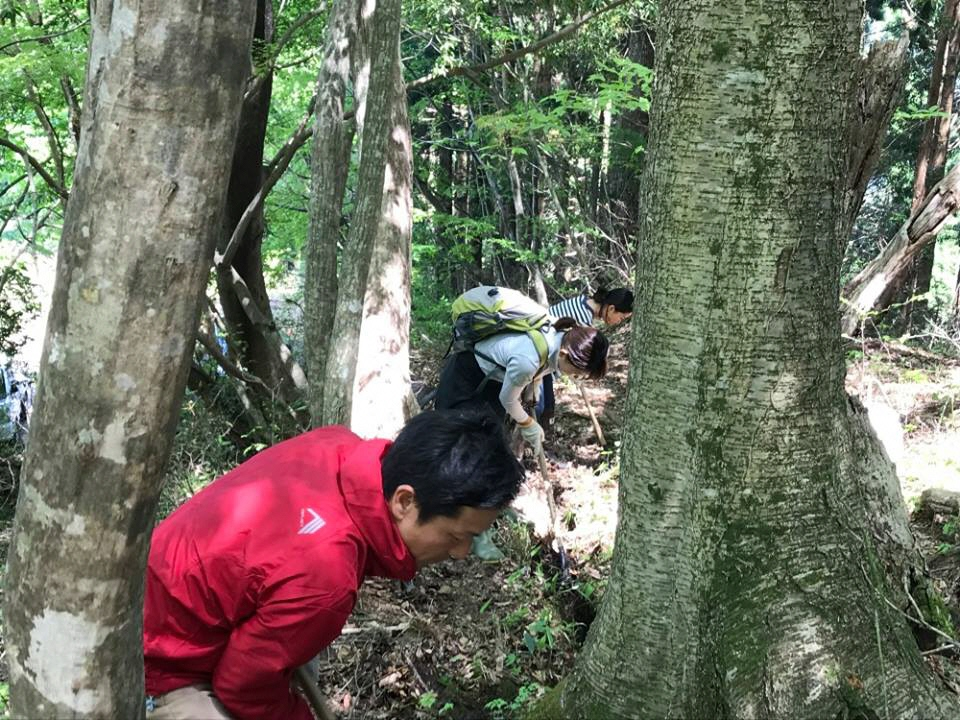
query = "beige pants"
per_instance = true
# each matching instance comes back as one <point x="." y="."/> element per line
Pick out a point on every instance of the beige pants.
<point x="193" y="702"/>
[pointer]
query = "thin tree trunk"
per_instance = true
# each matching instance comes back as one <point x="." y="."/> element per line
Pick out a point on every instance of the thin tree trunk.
<point x="382" y="397"/>
<point x="135" y="255"/>
<point x="943" y="81"/>
<point x="762" y="542"/>
<point x="330" y="163"/>
<point x="383" y="28"/>
<point x="258" y="350"/>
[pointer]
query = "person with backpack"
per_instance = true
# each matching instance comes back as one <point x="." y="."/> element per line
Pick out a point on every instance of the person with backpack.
<point x="611" y="307"/>
<point x="258" y="572"/>
<point x="509" y="343"/>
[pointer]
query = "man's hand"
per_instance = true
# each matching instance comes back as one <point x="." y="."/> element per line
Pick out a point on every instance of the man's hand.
<point x="533" y="434"/>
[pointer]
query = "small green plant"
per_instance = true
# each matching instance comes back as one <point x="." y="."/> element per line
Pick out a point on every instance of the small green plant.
<point x="497" y="706"/>
<point x="427" y="700"/>
<point x="446" y="708"/>
<point x="540" y="633"/>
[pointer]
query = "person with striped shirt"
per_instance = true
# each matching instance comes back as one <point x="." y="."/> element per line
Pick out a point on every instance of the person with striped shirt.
<point x="609" y="306"/>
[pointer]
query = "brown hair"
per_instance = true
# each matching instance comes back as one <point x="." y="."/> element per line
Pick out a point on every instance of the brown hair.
<point x="587" y="349"/>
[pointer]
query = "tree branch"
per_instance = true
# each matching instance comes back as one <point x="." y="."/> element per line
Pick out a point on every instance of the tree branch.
<point x="35" y="164"/>
<point x="275" y="170"/>
<point x="556" y="37"/>
<point x="43" y="38"/>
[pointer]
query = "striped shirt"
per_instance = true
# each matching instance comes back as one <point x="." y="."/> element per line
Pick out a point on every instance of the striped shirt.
<point x="575" y="307"/>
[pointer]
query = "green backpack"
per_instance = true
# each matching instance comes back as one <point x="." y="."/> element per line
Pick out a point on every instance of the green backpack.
<point x="487" y="310"/>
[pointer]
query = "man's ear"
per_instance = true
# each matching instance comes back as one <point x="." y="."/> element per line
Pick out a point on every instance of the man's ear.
<point x="402" y="502"/>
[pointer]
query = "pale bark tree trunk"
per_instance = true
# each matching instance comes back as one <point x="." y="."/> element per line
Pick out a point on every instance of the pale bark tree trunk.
<point x="160" y="116"/>
<point x="330" y="163"/>
<point x="382" y="397"/>
<point x="380" y="25"/>
<point x="762" y="543"/>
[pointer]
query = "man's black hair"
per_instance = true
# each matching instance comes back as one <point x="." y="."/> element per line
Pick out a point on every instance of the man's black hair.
<point x="620" y="298"/>
<point x="453" y="459"/>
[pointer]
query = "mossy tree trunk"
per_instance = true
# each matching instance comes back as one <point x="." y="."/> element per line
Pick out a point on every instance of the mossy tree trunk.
<point x="329" y="167"/>
<point x="164" y="82"/>
<point x="762" y="547"/>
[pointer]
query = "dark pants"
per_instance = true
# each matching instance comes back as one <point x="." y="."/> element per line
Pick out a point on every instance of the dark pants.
<point x="460" y="386"/>
<point x="546" y="402"/>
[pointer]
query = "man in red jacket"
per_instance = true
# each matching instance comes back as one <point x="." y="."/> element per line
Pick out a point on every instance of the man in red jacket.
<point x="258" y="572"/>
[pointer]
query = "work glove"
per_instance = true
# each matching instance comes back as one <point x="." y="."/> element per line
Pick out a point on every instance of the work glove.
<point x="484" y="547"/>
<point x="533" y="434"/>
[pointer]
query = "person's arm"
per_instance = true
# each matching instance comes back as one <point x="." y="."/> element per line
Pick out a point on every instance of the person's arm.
<point x="291" y="625"/>
<point x="519" y="373"/>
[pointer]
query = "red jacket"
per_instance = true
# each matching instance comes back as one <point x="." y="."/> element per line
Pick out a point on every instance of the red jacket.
<point x="258" y="572"/>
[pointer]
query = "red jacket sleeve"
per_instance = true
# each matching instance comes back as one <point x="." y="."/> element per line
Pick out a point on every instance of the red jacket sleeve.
<point x="293" y="622"/>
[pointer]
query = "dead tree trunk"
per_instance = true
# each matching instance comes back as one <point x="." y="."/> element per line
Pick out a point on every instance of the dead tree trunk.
<point x="873" y="287"/>
<point x="160" y="116"/>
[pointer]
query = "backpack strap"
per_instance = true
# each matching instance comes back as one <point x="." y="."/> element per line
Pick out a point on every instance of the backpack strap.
<point x="540" y="342"/>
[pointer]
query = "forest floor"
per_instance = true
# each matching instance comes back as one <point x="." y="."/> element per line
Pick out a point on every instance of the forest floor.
<point x="476" y="640"/>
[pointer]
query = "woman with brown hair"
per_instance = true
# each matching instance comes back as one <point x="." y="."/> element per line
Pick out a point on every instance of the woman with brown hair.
<point x="498" y="369"/>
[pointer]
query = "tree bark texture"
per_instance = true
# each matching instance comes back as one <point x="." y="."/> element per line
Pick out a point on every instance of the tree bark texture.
<point x="330" y="163"/>
<point x="163" y="93"/>
<point x="880" y="80"/>
<point x="380" y="22"/>
<point x="759" y="520"/>
<point x="382" y="397"/>
<point x="873" y="286"/>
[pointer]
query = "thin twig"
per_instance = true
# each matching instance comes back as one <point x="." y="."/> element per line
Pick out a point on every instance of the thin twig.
<point x="42" y="38"/>
<point x="35" y="164"/>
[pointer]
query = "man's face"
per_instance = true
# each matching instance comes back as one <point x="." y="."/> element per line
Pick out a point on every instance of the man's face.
<point x="439" y="538"/>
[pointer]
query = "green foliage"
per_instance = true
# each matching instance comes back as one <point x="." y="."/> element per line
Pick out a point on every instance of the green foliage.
<point x="526" y="694"/>
<point x="202" y="450"/>
<point x="18" y="304"/>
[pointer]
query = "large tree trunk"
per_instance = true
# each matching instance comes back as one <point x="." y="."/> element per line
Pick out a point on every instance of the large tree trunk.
<point x="330" y="163"/>
<point x="381" y="29"/>
<point x="382" y="397"/>
<point x="762" y="543"/>
<point x="160" y="117"/>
